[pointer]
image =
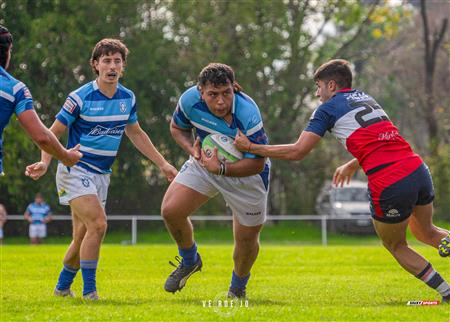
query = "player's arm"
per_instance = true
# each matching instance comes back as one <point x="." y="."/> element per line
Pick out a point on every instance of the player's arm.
<point x="184" y="139"/>
<point x="48" y="218"/>
<point x="46" y="140"/>
<point x="27" y="216"/>
<point x="38" y="169"/>
<point x="345" y="172"/>
<point x="142" y="142"/>
<point x="294" y="151"/>
<point x="242" y="168"/>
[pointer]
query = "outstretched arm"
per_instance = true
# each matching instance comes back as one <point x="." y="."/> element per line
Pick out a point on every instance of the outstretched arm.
<point x="46" y="140"/>
<point x="143" y="143"/>
<point x="38" y="169"/>
<point x="295" y="151"/>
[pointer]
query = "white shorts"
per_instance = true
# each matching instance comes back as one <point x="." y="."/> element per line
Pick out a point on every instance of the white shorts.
<point x="246" y="196"/>
<point x="78" y="182"/>
<point x="38" y="230"/>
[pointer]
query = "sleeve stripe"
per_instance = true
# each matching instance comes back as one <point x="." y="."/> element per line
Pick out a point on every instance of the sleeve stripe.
<point x="255" y="129"/>
<point x="7" y="96"/>
<point x="76" y="99"/>
<point x="18" y="87"/>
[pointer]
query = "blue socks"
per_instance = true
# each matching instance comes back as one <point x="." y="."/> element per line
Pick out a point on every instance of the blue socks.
<point x="239" y="282"/>
<point x="189" y="255"/>
<point x="66" y="277"/>
<point x="88" y="270"/>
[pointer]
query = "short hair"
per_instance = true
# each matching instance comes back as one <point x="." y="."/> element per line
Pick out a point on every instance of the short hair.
<point x="6" y="40"/>
<point x="108" y="46"/>
<point x="218" y="74"/>
<point x="337" y="70"/>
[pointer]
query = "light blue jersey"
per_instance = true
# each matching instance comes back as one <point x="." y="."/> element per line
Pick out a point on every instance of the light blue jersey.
<point x="97" y="123"/>
<point x="14" y="98"/>
<point x="38" y="212"/>
<point x="192" y="112"/>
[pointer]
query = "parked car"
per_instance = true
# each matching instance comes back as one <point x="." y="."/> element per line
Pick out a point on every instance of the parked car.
<point x="349" y="202"/>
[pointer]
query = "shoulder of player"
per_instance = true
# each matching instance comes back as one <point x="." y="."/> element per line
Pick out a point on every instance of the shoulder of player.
<point x="189" y="98"/>
<point x="245" y="106"/>
<point x="80" y="94"/>
<point x="10" y="85"/>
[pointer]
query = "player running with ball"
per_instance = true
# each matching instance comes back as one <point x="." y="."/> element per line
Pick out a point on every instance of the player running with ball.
<point x="216" y="105"/>
<point x="400" y="186"/>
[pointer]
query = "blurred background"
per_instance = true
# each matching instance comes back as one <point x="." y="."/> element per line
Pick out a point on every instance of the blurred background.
<point x="399" y="50"/>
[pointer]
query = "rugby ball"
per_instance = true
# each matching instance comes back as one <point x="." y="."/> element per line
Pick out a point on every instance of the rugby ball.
<point x="226" y="151"/>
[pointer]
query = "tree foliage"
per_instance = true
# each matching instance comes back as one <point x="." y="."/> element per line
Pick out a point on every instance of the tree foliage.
<point x="273" y="46"/>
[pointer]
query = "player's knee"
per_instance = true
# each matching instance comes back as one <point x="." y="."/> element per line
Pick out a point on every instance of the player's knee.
<point x="168" y="212"/>
<point x="98" y="226"/>
<point x="246" y="242"/>
<point x="394" y="245"/>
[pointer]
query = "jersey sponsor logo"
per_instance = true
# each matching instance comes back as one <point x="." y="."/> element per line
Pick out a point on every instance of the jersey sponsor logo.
<point x="100" y="108"/>
<point x="388" y="136"/>
<point x="208" y="121"/>
<point x="112" y="132"/>
<point x="69" y="105"/>
<point x="123" y="107"/>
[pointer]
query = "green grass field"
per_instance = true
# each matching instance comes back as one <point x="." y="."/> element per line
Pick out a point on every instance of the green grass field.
<point x="296" y="282"/>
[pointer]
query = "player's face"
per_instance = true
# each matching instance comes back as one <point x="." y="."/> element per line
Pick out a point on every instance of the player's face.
<point x="110" y="68"/>
<point x="218" y="98"/>
<point x="325" y="90"/>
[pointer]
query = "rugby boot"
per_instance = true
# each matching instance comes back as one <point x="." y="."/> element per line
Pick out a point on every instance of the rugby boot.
<point x="178" y="278"/>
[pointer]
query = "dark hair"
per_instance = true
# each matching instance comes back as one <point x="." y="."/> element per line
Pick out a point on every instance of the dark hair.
<point x="6" y="40"/>
<point x="337" y="70"/>
<point x="108" y="46"/>
<point x="218" y="74"/>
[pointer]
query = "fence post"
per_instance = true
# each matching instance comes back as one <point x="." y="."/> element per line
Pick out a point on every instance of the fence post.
<point x="133" y="230"/>
<point x="324" y="230"/>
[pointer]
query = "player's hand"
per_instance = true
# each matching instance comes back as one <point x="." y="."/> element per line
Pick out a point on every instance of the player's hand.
<point x="211" y="163"/>
<point x="72" y="157"/>
<point x="36" y="170"/>
<point x="169" y="171"/>
<point x="196" y="149"/>
<point x="343" y="174"/>
<point x="241" y="142"/>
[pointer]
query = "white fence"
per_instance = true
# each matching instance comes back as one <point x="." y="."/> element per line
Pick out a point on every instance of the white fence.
<point x="135" y="218"/>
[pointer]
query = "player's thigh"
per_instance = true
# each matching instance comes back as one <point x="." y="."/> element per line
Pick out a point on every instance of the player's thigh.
<point x="182" y="199"/>
<point x="88" y="208"/>
<point x="391" y="234"/>
<point x="246" y="197"/>
<point x="42" y="231"/>
<point x="422" y="217"/>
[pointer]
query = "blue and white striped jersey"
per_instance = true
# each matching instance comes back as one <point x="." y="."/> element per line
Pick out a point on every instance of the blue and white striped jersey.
<point x="192" y="112"/>
<point x="14" y="98"/>
<point x="97" y="122"/>
<point x="38" y="212"/>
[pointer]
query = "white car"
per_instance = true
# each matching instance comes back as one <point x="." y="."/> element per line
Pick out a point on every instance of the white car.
<point x="349" y="205"/>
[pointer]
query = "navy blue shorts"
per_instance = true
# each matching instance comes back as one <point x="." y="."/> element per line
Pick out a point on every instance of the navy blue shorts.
<point x="394" y="191"/>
